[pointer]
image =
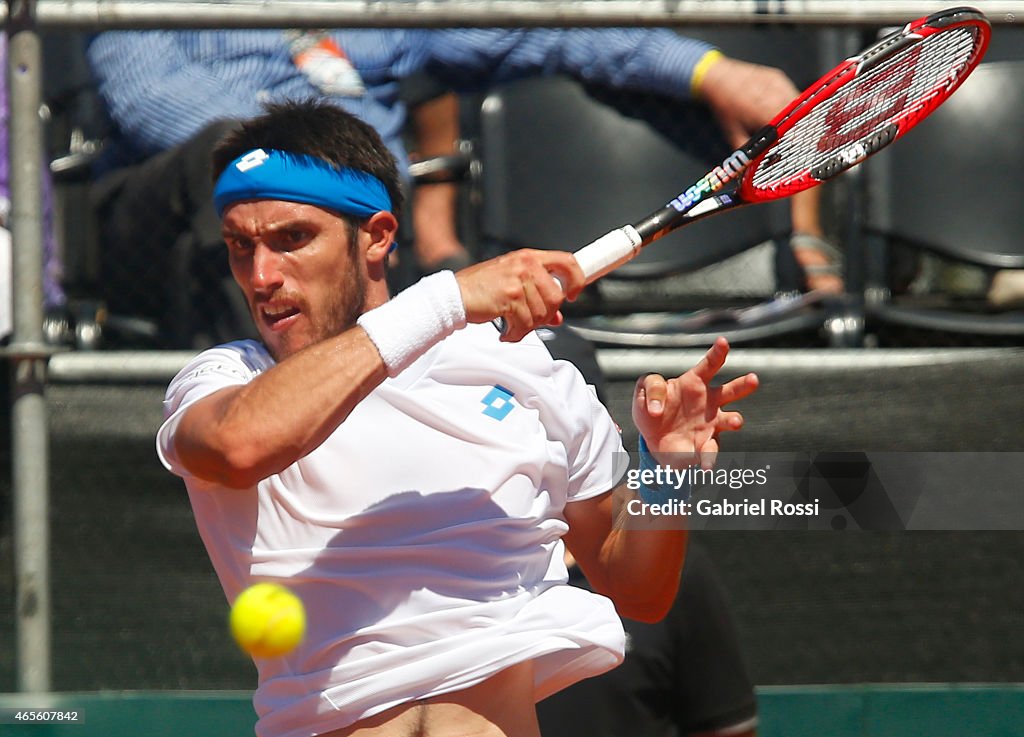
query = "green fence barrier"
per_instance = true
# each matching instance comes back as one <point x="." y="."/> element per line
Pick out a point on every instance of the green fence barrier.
<point x="785" y="711"/>
<point x="120" y="714"/>
<point x="938" y="710"/>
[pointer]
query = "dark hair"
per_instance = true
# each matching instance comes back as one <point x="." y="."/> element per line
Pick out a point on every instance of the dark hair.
<point x="314" y="128"/>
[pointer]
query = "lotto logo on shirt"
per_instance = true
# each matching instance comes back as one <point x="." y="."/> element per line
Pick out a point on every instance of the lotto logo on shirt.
<point x="498" y="402"/>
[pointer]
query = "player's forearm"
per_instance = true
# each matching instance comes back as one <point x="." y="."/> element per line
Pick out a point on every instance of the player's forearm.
<point x="626" y="558"/>
<point x="643" y="566"/>
<point x="242" y="435"/>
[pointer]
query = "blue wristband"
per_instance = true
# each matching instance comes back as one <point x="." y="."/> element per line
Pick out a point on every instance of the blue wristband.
<point x="662" y="492"/>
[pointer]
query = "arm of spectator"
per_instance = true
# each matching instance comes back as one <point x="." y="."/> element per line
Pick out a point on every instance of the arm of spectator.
<point x="742" y="96"/>
<point x="639" y="59"/>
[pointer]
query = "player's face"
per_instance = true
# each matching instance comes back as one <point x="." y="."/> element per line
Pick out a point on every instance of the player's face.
<point x="295" y="264"/>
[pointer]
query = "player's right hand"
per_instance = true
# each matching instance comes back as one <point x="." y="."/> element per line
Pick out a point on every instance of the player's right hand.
<point x="526" y="288"/>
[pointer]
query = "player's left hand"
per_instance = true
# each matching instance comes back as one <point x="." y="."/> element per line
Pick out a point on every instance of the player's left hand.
<point x="681" y="418"/>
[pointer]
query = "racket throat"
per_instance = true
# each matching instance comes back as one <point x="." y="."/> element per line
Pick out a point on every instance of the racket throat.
<point x="660" y="223"/>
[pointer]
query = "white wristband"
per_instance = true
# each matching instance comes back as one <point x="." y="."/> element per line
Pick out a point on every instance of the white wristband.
<point x="418" y="317"/>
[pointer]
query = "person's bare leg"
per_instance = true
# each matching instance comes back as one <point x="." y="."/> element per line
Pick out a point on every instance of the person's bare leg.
<point x="434" y="217"/>
<point x="819" y="259"/>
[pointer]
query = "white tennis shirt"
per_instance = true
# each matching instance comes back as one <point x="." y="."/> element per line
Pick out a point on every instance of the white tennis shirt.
<point x="423" y="535"/>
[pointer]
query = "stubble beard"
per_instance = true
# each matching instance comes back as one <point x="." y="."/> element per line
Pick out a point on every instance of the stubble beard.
<point x="339" y="313"/>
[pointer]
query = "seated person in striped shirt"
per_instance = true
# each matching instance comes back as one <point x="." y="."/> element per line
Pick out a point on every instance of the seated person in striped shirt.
<point x="171" y="94"/>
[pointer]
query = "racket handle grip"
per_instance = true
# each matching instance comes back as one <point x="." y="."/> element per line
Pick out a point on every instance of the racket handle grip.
<point x="608" y="252"/>
<point x="599" y="257"/>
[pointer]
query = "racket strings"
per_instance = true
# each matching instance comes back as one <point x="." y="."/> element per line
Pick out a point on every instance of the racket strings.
<point x="902" y="88"/>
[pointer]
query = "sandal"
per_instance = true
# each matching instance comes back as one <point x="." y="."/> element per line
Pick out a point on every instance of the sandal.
<point x="821" y="262"/>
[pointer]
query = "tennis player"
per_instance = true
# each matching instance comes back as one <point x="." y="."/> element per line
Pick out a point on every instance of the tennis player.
<point x="410" y="472"/>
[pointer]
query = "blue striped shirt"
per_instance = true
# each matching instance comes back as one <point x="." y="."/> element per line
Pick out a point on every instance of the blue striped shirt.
<point x="162" y="87"/>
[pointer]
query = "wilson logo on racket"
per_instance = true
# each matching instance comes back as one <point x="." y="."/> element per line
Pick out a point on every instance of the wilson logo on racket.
<point x="713" y="181"/>
<point x="858" y="114"/>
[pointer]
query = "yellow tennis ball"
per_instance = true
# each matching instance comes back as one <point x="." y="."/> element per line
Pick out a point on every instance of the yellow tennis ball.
<point x="267" y="620"/>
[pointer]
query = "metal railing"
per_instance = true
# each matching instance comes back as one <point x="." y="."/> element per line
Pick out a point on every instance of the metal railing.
<point x="110" y="14"/>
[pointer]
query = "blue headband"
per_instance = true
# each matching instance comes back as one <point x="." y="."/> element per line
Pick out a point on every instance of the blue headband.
<point x="279" y="175"/>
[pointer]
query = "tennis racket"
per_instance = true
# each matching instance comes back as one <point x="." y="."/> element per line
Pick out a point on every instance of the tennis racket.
<point x="861" y="106"/>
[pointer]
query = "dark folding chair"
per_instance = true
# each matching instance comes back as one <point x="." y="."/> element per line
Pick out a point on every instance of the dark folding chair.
<point x="560" y="167"/>
<point x="952" y="188"/>
<point x="76" y="130"/>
